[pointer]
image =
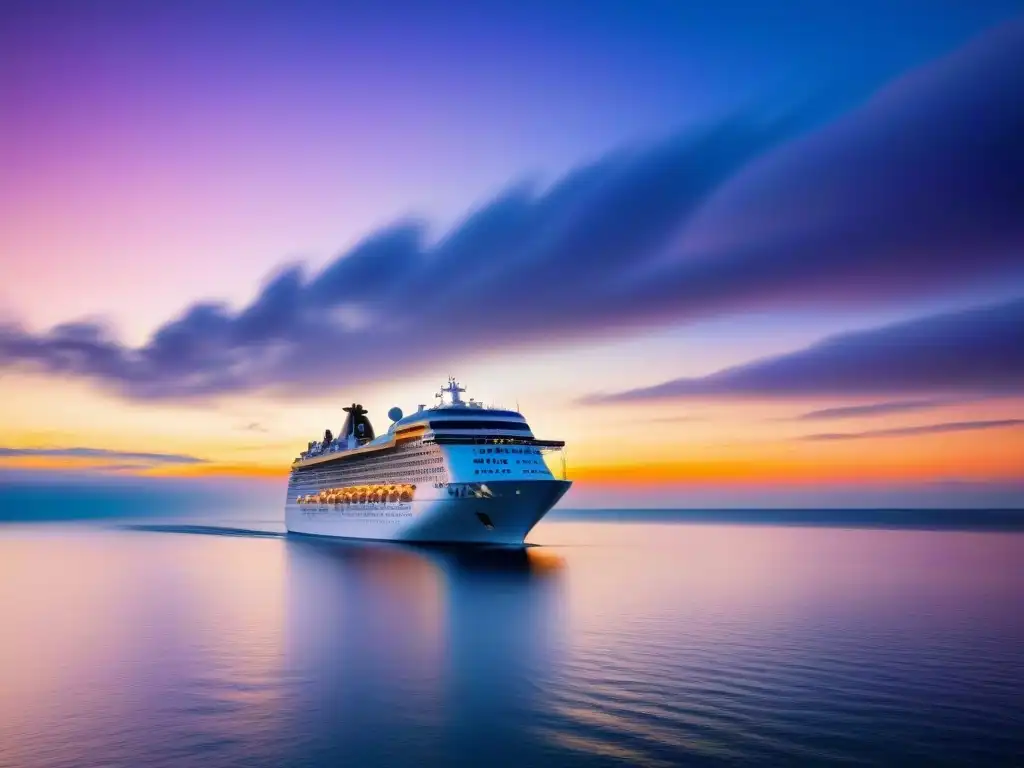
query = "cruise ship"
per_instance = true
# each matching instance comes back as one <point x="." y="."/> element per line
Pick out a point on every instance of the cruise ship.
<point x="456" y="472"/>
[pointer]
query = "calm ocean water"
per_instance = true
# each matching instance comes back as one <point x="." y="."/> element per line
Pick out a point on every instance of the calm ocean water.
<point x="616" y="641"/>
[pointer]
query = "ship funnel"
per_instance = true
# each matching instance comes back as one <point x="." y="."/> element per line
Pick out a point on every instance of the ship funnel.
<point x="357" y="423"/>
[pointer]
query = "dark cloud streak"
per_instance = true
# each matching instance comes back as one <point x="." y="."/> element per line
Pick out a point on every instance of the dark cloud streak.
<point x="927" y="429"/>
<point x="916" y="193"/>
<point x="102" y="453"/>
<point x="874" y="409"/>
<point x="979" y="352"/>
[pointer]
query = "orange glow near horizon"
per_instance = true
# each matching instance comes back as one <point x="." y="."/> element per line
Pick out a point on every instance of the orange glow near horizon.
<point x="253" y="471"/>
<point x="971" y="457"/>
<point x="742" y="444"/>
<point x="63" y="463"/>
<point x="765" y="473"/>
<point x="995" y="455"/>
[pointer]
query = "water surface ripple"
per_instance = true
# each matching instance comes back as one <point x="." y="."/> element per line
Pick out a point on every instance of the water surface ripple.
<point x="660" y="642"/>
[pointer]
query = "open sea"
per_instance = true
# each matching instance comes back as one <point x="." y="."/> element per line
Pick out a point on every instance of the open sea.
<point x="618" y="638"/>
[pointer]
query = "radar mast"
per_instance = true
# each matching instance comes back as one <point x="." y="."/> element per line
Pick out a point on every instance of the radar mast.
<point x="454" y="390"/>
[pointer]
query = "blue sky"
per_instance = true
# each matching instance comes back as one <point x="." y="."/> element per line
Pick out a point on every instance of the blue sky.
<point x="214" y="208"/>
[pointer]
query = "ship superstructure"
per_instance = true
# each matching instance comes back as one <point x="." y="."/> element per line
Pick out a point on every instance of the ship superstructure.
<point x="459" y="471"/>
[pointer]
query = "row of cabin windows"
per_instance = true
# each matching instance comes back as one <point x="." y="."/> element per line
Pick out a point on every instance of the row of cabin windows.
<point x="334" y="476"/>
<point x="396" y="461"/>
<point x="394" y="456"/>
<point x="397" y="466"/>
<point x="397" y="471"/>
<point x="376" y="481"/>
<point x="403" y="466"/>
<point x="363" y="466"/>
<point x="403" y="450"/>
<point x="321" y="479"/>
<point x="514" y="426"/>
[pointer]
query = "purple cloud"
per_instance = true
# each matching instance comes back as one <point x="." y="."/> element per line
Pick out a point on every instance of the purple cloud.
<point x="916" y="193"/>
<point x="926" y="429"/>
<point x="103" y="453"/>
<point x="979" y="351"/>
<point x="874" y="409"/>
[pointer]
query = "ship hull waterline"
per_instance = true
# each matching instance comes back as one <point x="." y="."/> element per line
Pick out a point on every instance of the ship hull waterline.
<point x="504" y="517"/>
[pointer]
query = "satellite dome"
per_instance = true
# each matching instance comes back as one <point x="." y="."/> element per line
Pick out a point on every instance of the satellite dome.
<point x="395" y="413"/>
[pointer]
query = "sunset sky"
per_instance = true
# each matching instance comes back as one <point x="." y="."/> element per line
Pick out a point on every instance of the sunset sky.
<point x="734" y="253"/>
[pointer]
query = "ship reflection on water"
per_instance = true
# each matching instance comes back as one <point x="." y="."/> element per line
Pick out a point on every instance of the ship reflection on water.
<point x="444" y="646"/>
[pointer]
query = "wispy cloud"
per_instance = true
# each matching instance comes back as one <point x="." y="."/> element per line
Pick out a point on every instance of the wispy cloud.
<point x="873" y="409"/>
<point x="676" y="419"/>
<point x="276" y="446"/>
<point x="916" y="193"/>
<point x="927" y="429"/>
<point x="132" y="458"/>
<point x="979" y="351"/>
<point x="254" y="426"/>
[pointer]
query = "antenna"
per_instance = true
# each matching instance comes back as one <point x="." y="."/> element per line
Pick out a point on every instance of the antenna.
<point x="454" y="390"/>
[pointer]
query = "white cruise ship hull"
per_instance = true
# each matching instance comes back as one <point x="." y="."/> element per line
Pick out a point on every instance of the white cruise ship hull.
<point x="505" y="516"/>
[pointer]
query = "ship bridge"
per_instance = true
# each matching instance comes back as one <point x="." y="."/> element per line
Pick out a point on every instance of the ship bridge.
<point x="454" y="421"/>
<point x="451" y="421"/>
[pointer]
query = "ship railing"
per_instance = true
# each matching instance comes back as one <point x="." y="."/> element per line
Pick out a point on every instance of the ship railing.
<point x="474" y="404"/>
